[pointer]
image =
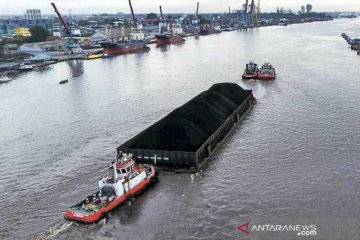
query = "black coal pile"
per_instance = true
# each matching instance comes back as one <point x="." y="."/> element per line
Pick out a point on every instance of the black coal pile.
<point x="189" y="126"/>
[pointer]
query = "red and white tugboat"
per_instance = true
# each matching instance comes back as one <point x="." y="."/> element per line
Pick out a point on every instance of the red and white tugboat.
<point x="125" y="179"/>
<point x="251" y="71"/>
<point x="266" y="72"/>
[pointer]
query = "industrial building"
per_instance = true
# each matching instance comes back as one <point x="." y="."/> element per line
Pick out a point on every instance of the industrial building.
<point x="55" y="45"/>
<point x="32" y="14"/>
<point x="32" y="17"/>
<point x="8" y="26"/>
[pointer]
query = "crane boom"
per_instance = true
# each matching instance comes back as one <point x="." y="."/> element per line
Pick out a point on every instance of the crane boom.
<point x="246" y="6"/>
<point x="252" y="7"/>
<point x="197" y="11"/>
<point x="66" y="26"/>
<point x="161" y="13"/>
<point x="132" y="13"/>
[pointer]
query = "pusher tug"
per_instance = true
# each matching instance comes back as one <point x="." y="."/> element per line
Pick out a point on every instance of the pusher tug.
<point x="267" y="72"/>
<point x="125" y="179"/>
<point x="251" y="71"/>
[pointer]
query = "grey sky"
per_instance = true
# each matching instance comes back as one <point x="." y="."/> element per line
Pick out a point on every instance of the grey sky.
<point x="188" y="6"/>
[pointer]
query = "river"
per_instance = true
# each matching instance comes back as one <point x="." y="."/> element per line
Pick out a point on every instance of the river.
<point x="294" y="160"/>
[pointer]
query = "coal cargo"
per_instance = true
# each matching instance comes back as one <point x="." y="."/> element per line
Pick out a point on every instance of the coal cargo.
<point x="185" y="138"/>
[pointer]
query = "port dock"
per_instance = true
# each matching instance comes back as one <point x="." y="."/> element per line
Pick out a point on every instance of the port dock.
<point x="185" y="139"/>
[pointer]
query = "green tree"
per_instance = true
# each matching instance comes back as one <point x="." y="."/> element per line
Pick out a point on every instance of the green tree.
<point x="151" y="16"/>
<point x="38" y="34"/>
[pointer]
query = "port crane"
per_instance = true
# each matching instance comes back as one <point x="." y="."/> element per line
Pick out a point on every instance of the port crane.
<point x="133" y="14"/>
<point x="163" y="26"/>
<point x="255" y="14"/>
<point x="196" y="22"/>
<point x="250" y="13"/>
<point x="197" y="11"/>
<point x="136" y="31"/>
<point x="72" y="46"/>
<point x="243" y="15"/>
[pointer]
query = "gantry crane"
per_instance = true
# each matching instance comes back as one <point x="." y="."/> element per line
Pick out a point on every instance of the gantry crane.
<point x="72" y="46"/>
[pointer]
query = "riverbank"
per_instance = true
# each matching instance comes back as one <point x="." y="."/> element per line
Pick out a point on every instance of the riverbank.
<point x="12" y="66"/>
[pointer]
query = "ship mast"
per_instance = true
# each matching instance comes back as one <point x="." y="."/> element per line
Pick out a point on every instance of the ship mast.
<point x="133" y="15"/>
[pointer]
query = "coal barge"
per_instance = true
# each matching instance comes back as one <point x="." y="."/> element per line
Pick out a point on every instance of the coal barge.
<point x="189" y="135"/>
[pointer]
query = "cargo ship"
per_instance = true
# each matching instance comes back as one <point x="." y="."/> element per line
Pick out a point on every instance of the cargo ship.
<point x="209" y="29"/>
<point x="173" y="35"/>
<point x="251" y="71"/>
<point x="136" y="40"/>
<point x="169" y="32"/>
<point x="113" y="49"/>
<point x="266" y="72"/>
<point x="124" y="180"/>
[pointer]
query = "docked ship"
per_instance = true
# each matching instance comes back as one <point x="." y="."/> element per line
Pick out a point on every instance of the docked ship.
<point x="266" y="72"/>
<point x="26" y="67"/>
<point x="124" y="179"/>
<point x="207" y="29"/>
<point x="135" y="42"/>
<point x="4" y="78"/>
<point x="126" y="46"/>
<point x="251" y="71"/>
<point x="169" y="32"/>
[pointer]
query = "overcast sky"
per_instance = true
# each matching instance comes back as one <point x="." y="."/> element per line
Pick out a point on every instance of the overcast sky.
<point x="175" y="6"/>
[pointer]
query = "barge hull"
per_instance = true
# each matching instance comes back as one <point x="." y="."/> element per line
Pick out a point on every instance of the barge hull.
<point x="165" y="40"/>
<point x="188" y="161"/>
<point x="123" y="48"/>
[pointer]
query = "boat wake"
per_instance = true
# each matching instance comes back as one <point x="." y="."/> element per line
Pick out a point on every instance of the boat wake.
<point x="54" y="231"/>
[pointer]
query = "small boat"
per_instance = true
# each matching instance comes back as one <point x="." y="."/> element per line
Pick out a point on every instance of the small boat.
<point x="266" y="72"/>
<point x="251" y="71"/>
<point x="105" y="55"/>
<point x="124" y="180"/>
<point x="94" y="56"/>
<point x="4" y="78"/>
<point x="26" y="67"/>
<point x="63" y="81"/>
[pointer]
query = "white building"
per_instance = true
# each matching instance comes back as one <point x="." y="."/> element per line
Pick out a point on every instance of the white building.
<point x="32" y="14"/>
